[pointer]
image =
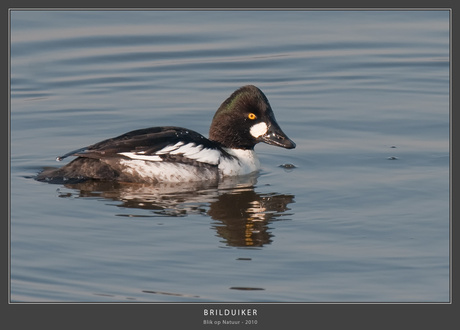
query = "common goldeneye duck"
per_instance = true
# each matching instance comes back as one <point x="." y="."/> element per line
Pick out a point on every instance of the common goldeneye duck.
<point x="175" y="154"/>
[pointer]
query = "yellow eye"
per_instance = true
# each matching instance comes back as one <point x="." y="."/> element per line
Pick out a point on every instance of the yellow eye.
<point x="252" y="116"/>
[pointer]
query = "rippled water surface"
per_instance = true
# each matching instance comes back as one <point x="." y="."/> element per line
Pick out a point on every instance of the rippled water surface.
<point x="363" y="216"/>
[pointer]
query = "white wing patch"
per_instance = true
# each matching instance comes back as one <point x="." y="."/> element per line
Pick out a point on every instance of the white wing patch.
<point x="168" y="149"/>
<point x="189" y="150"/>
<point x="210" y="156"/>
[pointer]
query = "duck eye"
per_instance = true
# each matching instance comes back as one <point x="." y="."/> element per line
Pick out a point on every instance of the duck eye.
<point x="252" y="116"/>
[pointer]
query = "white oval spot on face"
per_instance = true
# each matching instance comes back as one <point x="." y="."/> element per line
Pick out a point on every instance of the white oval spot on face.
<point x="258" y="129"/>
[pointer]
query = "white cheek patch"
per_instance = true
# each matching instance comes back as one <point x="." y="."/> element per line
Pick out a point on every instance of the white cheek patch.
<point x="258" y="129"/>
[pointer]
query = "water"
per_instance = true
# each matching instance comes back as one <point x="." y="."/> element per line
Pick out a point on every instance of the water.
<point x="363" y="216"/>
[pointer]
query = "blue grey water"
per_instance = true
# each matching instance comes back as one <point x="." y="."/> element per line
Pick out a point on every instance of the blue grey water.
<point x="363" y="216"/>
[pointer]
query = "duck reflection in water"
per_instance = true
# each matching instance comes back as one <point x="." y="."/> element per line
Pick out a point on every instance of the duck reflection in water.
<point x="241" y="215"/>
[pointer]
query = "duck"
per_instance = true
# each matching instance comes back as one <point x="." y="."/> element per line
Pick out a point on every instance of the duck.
<point x="176" y="154"/>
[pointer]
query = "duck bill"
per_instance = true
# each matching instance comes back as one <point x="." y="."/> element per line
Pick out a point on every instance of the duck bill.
<point x="275" y="136"/>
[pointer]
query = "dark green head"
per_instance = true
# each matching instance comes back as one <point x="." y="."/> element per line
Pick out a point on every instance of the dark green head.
<point x="245" y="119"/>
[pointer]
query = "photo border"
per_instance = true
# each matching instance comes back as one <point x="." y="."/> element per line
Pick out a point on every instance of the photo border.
<point x="273" y="315"/>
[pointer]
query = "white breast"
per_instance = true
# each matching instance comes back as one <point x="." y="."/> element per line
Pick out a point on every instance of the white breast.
<point x="246" y="162"/>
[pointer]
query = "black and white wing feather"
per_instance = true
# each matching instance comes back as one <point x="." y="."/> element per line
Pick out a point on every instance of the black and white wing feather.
<point x="156" y="144"/>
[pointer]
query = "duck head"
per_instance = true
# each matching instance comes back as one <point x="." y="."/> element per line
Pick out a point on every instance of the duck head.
<point x="245" y="119"/>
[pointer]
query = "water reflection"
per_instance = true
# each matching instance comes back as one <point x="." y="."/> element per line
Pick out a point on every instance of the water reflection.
<point x="241" y="215"/>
